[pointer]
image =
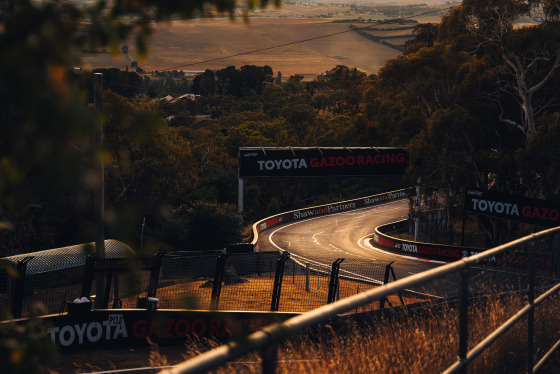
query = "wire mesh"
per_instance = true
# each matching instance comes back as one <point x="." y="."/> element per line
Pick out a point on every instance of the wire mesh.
<point x="248" y="281"/>
<point x="6" y="268"/>
<point x="48" y="292"/>
<point x="126" y="281"/>
<point x="186" y="281"/>
<point x="305" y="285"/>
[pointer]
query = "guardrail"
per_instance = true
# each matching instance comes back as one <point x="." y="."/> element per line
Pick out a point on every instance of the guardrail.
<point x="522" y="252"/>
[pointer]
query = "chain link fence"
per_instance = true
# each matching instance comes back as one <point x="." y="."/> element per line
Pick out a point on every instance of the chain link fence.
<point x="268" y="281"/>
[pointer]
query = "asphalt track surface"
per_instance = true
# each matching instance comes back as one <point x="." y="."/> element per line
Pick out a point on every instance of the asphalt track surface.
<point x="345" y="235"/>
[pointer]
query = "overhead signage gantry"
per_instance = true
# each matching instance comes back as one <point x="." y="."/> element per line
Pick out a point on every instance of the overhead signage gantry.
<point x="319" y="162"/>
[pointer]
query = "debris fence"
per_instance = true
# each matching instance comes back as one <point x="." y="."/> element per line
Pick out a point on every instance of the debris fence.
<point x="267" y="281"/>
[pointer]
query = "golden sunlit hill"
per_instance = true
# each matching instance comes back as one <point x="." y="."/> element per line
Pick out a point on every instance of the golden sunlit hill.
<point x="208" y="44"/>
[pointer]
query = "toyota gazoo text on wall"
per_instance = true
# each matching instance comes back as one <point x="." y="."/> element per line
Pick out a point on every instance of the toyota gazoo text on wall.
<point x="131" y="327"/>
<point x="112" y="328"/>
<point x="424" y="250"/>
<point x="309" y="162"/>
<point x="521" y="209"/>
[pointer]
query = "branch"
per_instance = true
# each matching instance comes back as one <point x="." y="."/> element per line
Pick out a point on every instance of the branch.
<point x="555" y="66"/>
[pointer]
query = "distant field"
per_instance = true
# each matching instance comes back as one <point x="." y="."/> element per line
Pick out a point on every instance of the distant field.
<point x="209" y="43"/>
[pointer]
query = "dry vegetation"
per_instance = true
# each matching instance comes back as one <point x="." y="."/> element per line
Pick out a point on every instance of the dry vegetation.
<point x="418" y="344"/>
<point x="255" y="294"/>
<point x="424" y="343"/>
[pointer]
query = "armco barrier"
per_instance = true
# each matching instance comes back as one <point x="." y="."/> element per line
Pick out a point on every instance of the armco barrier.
<point x="438" y="252"/>
<point x="321" y="210"/>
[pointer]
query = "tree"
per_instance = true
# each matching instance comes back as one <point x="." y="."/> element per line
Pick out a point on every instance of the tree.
<point x="528" y="58"/>
<point x="426" y="35"/>
<point x="205" y="83"/>
<point x="45" y="147"/>
<point x="211" y="226"/>
<point x="127" y="84"/>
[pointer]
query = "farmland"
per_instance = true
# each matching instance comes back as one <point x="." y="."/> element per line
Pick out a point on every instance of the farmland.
<point x="187" y="45"/>
<point x="215" y="43"/>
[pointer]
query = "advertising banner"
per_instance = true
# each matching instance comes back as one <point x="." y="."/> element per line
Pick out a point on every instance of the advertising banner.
<point x="125" y="327"/>
<point x="521" y="209"/>
<point x="322" y="210"/>
<point x="321" y="162"/>
<point x="438" y="252"/>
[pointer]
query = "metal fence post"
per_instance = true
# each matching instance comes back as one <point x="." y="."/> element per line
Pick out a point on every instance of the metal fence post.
<point x="385" y="281"/>
<point x="277" y="288"/>
<point x="107" y="292"/>
<point x="154" y="273"/>
<point x="463" y="306"/>
<point x="531" y="315"/>
<point x="217" y="284"/>
<point x="18" y="287"/>
<point x="88" y="276"/>
<point x="269" y="358"/>
<point x="333" y="283"/>
<point x="307" y="271"/>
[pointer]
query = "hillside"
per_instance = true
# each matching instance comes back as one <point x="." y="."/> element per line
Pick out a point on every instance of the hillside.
<point x="187" y="45"/>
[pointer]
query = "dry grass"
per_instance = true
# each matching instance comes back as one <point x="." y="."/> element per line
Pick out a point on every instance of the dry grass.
<point x="256" y="293"/>
<point x="426" y="343"/>
<point x="422" y="343"/>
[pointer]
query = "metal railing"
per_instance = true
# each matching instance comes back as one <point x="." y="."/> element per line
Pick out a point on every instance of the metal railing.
<point x="538" y="252"/>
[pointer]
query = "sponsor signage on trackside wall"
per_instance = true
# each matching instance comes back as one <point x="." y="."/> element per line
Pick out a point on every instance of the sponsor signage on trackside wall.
<point x="122" y="327"/>
<point x="317" y="211"/>
<point x="521" y="209"/>
<point x="321" y="162"/>
<point x="448" y="253"/>
<point x="438" y="252"/>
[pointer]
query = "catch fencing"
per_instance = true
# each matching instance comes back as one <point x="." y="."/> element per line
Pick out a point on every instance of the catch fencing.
<point x="269" y="281"/>
<point x="500" y="314"/>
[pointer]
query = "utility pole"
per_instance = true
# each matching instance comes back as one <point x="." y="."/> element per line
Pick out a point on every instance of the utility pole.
<point x="99" y="188"/>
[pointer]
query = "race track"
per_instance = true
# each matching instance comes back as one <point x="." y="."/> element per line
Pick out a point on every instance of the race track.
<point x="344" y="235"/>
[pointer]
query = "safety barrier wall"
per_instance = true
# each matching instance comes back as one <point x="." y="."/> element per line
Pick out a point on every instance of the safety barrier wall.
<point x="438" y="252"/>
<point x="115" y="328"/>
<point x="321" y="210"/>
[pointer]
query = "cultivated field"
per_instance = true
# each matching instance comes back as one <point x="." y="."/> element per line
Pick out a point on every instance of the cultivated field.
<point x="267" y="37"/>
<point x="210" y="44"/>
